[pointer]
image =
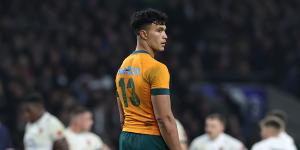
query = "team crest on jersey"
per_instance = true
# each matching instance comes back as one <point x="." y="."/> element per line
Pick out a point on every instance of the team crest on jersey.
<point x="40" y="130"/>
<point x="88" y="142"/>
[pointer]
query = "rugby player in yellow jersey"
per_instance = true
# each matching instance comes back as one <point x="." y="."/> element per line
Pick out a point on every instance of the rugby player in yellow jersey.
<point x="143" y="89"/>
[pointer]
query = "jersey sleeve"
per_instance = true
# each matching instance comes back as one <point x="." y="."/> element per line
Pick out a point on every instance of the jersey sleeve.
<point x="56" y="129"/>
<point x="159" y="80"/>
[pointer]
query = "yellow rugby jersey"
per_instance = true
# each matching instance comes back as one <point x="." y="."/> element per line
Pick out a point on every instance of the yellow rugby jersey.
<point x="139" y="77"/>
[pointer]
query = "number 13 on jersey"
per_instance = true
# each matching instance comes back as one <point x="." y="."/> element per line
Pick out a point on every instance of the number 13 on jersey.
<point x="132" y="94"/>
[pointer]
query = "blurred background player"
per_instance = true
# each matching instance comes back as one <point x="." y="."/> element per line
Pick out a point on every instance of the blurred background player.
<point x="182" y="135"/>
<point x="283" y="117"/>
<point x="143" y="88"/>
<point x="215" y="138"/>
<point x="5" y="138"/>
<point x="271" y="127"/>
<point x="43" y="131"/>
<point x="78" y="133"/>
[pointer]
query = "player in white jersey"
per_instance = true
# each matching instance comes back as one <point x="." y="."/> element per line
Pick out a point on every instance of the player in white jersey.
<point x="43" y="131"/>
<point x="182" y="135"/>
<point x="283" y="117"/>
<point x="77" y="133"/>
<point x="215" y="138"/>
<point x="271" y="128"/>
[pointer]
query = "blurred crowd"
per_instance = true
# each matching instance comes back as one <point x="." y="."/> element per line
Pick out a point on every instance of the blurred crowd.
<point x="70" y="50"/>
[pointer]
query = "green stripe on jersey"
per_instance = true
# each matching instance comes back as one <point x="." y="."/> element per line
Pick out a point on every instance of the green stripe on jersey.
<point x="160" y="91"/>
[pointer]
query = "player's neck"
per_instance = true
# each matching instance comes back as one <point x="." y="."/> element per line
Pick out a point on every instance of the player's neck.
<point x="142" y="45"/>
<point x="215" y="137"/>
<point x="274" y="135"/>
<point x="75" y="129"/>
<point x="39" y="115"/>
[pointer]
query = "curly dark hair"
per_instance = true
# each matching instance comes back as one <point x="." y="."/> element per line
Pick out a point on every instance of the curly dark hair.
<point x="140" y="19"/>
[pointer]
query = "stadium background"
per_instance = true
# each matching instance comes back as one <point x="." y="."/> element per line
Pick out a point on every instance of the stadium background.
<point x="223" y="55"/>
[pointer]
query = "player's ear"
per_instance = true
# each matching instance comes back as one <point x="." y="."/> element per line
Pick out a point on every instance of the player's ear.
<point x="143" y="34"/>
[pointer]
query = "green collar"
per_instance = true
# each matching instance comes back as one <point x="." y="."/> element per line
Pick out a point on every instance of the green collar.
<point x="140" y="51"/>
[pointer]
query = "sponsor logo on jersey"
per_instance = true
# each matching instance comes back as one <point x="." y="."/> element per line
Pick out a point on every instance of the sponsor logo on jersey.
<point x="129" y="71"/>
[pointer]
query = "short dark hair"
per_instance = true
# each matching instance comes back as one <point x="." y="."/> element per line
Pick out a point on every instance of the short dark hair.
<point x="142" y="18"/>
<point x="218" y="117"/>
<point x="279" y="114"/>
<point x="34" y="97"/>
<point x="273" y="122"/>
<point x="77" y="110"/>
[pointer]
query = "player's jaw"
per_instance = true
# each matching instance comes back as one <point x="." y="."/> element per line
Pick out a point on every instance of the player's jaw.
<point x="157" y="44"/>
<point x="162" y="45"/>
<point x="162" y="42"/>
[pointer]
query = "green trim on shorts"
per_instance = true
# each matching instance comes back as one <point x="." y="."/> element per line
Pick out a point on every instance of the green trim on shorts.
<point x="135" y="141"/>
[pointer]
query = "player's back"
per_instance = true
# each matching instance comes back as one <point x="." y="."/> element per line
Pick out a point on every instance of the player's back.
<point x="139" y="77"/>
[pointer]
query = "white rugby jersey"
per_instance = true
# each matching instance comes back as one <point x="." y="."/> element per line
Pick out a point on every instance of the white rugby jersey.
<point x="181" y="132"/>
<point x="283" y="135"/>
<point x="222" y="142"/>
<point x="41" y="134"/>
<point x="274" y="143"/>
<point x="83" y="141"/>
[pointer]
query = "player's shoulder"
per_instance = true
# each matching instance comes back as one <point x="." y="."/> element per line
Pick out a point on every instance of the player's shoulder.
<point x="92" y="136"/>
<point x="285" y="136"/>
<point x="148" y="61"/>
<point x="159" y="66"/>
<point x="262" y="144"/>
<point x="232" y="140"/>
<point x="200" y="139"/>
<point x="259" y="145"/>
<point x="52" y="118"/>
<point x="97" y="141"/>
<point x="53" y="121"/>
<point x="198" y="142"/>
<point x="154" y="68"/>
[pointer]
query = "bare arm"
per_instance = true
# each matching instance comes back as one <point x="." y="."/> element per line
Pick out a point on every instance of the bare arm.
<point x="184" y="146"/>
<point x="165" y="119"/>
